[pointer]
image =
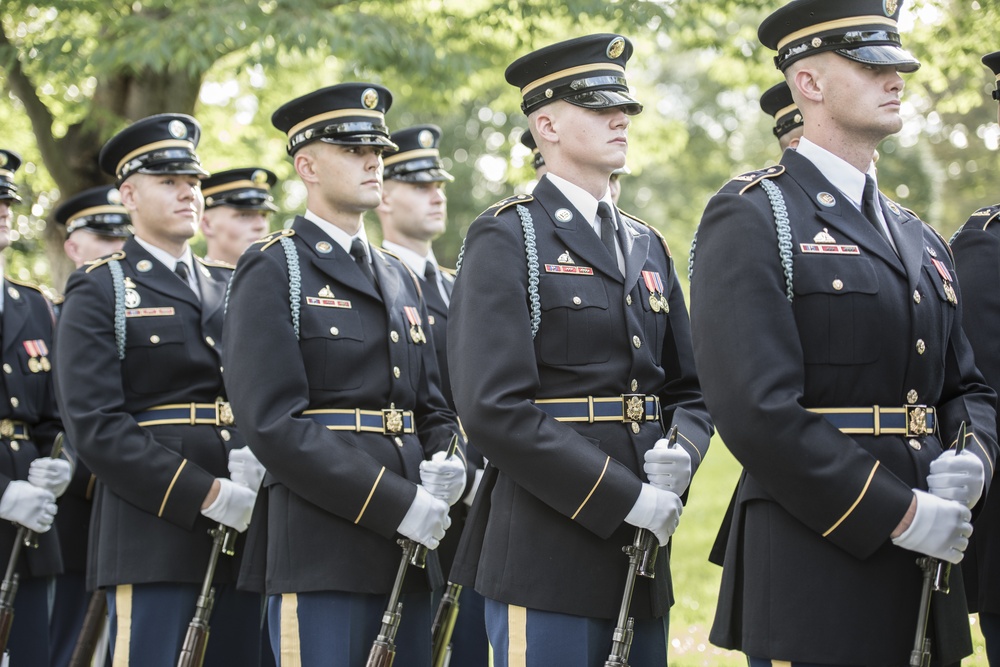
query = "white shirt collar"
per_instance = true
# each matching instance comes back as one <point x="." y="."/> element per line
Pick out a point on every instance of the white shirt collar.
<point x="166" y="258"/>
<point x="338" y="235"/>
<point x="416" y="262"/>
<point x="844" y="176"/>
<point x="582" y="200"/>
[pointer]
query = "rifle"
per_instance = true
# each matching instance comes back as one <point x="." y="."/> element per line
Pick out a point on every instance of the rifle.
<point x="383" y="649"/>
<point x="90" y="633"/>
<point x="196" y="640"/>
<point x="935" y="578"/>
<point x="641" y="562"/>
<point x="444" y="625"/>
<point x="8" y="587"/>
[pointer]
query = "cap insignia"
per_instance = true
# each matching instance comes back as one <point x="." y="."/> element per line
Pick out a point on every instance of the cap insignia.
<point x="144" y="265"/>
<point x="890" y="7"/>
<point x="177" y="129"/>
<point x="259" y="177"/>
<point x="114" y="197"/>
<point x="826" y="199"/>
<point x="616" y="47"/>
<point x="564" y="215"/>
<point x="324" y="247"/>
<point x="425" y="138"/>
<point x="824" y="237"/>
<point x="369" y="98"/>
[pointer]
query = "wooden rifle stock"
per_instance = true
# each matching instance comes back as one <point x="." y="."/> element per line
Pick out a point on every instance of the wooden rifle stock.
<point x="444" y="625"/>
<point x="90" y="633"/>
<point x="196" y="640"/>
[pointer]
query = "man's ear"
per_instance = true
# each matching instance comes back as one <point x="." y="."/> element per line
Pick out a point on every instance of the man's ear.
<point x="545" y="125"/>
<point x="305" y="165"/>
<point x="129" y="195"/>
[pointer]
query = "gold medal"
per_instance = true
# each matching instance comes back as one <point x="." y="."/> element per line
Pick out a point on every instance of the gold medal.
<point x="34" y="365"/>
<point x="46" y="364"/>
<point x="664" y="304"/>
<point x="949" y="293"/>
<point x="654" y="303"/>
<point x="415" y="334"/>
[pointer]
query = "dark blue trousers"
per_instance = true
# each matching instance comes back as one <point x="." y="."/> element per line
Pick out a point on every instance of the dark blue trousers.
<point x="148" y="623"/>
<point x="533" y="638"/>
<point x="469" y="645"/>
<point x="70" y="607"/>
<point x="334" y="629"/>
<point x="28" y="644"/>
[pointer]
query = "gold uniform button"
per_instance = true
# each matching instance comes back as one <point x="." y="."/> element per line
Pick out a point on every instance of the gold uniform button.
<point x="394" y="335"/>
<point x="635" y="385"/>
<point x="921" y="346"/>
<point x="916" y="296"/>
<point x="335" y="331"/>
<point x="637" y="342"/>
<point x="915" y="444"/>
<point x="225" y="434"/>
<point x="912" y="396"/>
<point x="15" y="445"/>
<point x="210" y="341"/>
<point x="577" y="300"/>
<point x="628" y="299"/>
<point x="398" y="441"/>
<point x="14" y="401"/>
<point x="396" y="372"/>
<point x="7" y="369"/>
<point x="154" y="339"/>
<point x="838" y="284"/>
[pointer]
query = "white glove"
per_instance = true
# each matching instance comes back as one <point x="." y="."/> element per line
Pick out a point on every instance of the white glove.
<point x="426" y="521"/>
<point x="245" y="469"/>
<point x="233" y="506"/>
<point x="940" y="528"/>
<point x="958" y="478"/>
<point x="476" y="480"/>
<point x="443" y="478"/>
<point x="658" y="511"/>
<point x="26" y="504"/>
<point x="50" y="474"/>
<point x="668" y="468"/>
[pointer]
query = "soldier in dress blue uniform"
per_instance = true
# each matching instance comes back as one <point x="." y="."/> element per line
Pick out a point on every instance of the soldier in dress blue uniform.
<point x="977" y="256"/>
<point x="145" y="399"/>
<point x="237" y="205"/>
<point x="827" y="331"/>
<point x="413" y="213"/>
<point x="777" y="102"/>
<point x="569" y="353"/>
<point x="338" y="390"/>
<point x="537" y="161"/>
<point x="96" y="225"/>
<point x="30" y="481"/>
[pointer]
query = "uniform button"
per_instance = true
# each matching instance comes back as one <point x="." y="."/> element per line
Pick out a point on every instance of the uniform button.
<point x="637" y="342"/>
<point x="154" y="339"/>
<point x="915" y="444"/>
<point x="396" y="372"/>
<point x="577" y="300"/>
<point x="394" y="335"/>
<point x="921" y="346"/>
<point x="335" y="331"/>
<point x="916" y="296"/>
<point x="628" y="299"/>
<point x="635" y="385"/>
<point x="912" y="396"/>
<point x="398" y="440"/>
<point x="7" y="369"/>
<point x="210" y="341"/>
<point x="635" y="427"/>
<point x="225" y="434"/>
<point x="14" y="401"/>
<point x="15" y="445"/>
<point x="838" y="284"/>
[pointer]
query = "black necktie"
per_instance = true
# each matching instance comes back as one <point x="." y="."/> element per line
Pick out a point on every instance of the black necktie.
<point x="432" y="291"/>
<point x="869" y="200"/>
<point x="181" y="270"/>
<point x="607" y="229"/>
<point x="361" y="259"/>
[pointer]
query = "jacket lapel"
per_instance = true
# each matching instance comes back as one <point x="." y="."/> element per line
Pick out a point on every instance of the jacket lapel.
<point x="331" y="259"/>
<point x="151" y="273"/>
<point x="908" y="233"/>
<point x="635" y="248"/>
<point x="213" y="292"/>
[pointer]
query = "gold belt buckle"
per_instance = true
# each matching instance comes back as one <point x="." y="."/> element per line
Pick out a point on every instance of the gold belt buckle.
<point x="7" y="428"/>
<point x="634" y="408"/>
<point x="224" y="414"/>
<point x="392" y="420"/>
<point x="916" y="421"/>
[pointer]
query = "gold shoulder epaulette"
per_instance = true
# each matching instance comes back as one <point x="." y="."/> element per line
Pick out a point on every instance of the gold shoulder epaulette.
<point x="445" y="270"/>
<point x="273" y="238"/>
<point x="504" y="204"/>
<point x="651" y="228"/>
<point x="944" y="241"/>
<point x="752" y="178"/>
<point x="25" y="283"/>
<point x="93" y="264"/>
<point x="55" y="297"/>
<point x="215" y="263"/>
<point x="991" y="213"/>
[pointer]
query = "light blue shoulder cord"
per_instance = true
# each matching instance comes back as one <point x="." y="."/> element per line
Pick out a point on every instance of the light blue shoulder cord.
<point x="118" y="283"/>
<point x="294" y="281"/>
<point x="784" y="230"/>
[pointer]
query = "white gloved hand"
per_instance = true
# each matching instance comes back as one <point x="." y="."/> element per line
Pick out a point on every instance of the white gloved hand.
<point x="245" y="469"/>
<point x="443" y="478"/>
<point x="658" y="511"/>
<point x="476" y="481"/>
<point x="233" y="506"/>
<point x="426" y="521"/>
<point x="50" y="474"/>
<point x="26" y="504"/>
<point x="668" y="468"/>
<point x="957" y="477"/>
<point x="940" y="528"/>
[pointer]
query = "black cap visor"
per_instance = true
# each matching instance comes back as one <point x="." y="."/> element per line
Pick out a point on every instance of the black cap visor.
<point x="605" y="99"/>
<point x="433" y="175"/>
<point x="117" y="230"/>
<point x="248" y="200"/>
<point x="888" y="55"/>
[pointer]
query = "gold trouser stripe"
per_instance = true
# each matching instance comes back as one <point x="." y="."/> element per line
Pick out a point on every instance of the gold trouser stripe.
<point x="291" y="645"/>
<point x="171" y="487"/>
<point x="90" y="487"/>
<point x="781" y="663"/>
<point x="123" y="634"/>
<point x="868" y="482"/>
<point x="587" y="499"/>
<point x="370" y="494"/>
<point x="517" y="636"/>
